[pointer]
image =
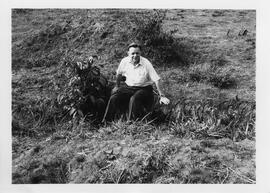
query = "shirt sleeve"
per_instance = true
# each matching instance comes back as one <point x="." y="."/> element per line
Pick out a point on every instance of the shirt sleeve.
<point x="152" y="72"/>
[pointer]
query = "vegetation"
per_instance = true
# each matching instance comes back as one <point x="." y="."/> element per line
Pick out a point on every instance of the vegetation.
<point x="59" y="92"/>
<point x="86" y="92"/>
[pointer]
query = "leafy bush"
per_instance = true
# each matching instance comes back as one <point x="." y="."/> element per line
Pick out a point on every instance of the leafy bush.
<point x="86" y="91"/>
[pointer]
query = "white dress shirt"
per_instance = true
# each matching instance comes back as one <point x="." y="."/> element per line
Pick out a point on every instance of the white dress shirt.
<point x="142" y="74"/>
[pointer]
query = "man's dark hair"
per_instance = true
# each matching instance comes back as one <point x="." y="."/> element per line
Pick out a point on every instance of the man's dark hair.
<point x="134" y="45"/>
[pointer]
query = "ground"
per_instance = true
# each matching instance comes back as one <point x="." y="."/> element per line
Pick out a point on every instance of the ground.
<point x="205" y="57"/>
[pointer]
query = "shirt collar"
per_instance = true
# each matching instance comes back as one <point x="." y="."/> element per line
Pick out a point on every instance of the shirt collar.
<point x="137" y="65"/>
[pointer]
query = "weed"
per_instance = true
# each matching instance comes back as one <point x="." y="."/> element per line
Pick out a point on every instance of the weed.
<point x="232" y="118"/>
<point x="213" y="74"/>
<point x="223" y="81"/>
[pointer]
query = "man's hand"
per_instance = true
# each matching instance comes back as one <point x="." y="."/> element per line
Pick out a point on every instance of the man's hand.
<point x="114" y="90"/>
<point x="164" y="100"/>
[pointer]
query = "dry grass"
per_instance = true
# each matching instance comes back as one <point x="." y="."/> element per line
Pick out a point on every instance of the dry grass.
<point x="124" y="157"/>
<point x="205" y="57"/>
<point x="233" y="119"/>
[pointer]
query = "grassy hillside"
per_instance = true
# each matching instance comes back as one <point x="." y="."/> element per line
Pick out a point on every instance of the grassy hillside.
<point x="206" y="59"/>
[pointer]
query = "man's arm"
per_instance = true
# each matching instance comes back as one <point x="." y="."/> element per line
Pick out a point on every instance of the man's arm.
<point x="117" y="85"/>
<point x="162" y="99"/>
<point x="119" y="78"/>
<point x="157" y="83"/>
<point x="154" y="76"/>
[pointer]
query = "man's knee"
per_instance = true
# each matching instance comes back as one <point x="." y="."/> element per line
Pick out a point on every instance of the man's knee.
<point x="134" y="99"/>
<point x="113" y="98"/>
<point x="142" y="97"/>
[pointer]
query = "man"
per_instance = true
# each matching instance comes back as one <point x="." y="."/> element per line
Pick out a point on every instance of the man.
<point x="137" y="94"/>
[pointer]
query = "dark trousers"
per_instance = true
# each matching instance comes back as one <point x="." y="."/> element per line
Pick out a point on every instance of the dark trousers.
<point x="136" y="100"/>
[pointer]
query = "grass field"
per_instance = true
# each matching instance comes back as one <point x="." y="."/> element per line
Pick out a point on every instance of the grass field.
<point x="206" y="59"/>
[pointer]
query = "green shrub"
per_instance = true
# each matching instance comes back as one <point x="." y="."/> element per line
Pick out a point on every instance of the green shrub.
<point x="86" y="91"/>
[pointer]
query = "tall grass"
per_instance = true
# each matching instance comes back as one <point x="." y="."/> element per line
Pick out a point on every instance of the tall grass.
<point x="220" y="77"/>
<point x="234" y="119"/>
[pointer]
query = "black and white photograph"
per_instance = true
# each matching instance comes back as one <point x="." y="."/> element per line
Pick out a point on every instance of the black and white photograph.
<point x="134" y="96"/>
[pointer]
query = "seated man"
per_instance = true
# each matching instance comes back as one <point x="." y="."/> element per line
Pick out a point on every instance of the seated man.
<point x="137" y="93"/>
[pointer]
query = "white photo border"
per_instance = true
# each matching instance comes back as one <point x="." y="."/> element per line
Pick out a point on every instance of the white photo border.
<point x="262" y="94"/>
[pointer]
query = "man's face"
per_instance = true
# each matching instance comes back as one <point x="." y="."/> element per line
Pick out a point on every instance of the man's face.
<point x="134" y="54"/>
